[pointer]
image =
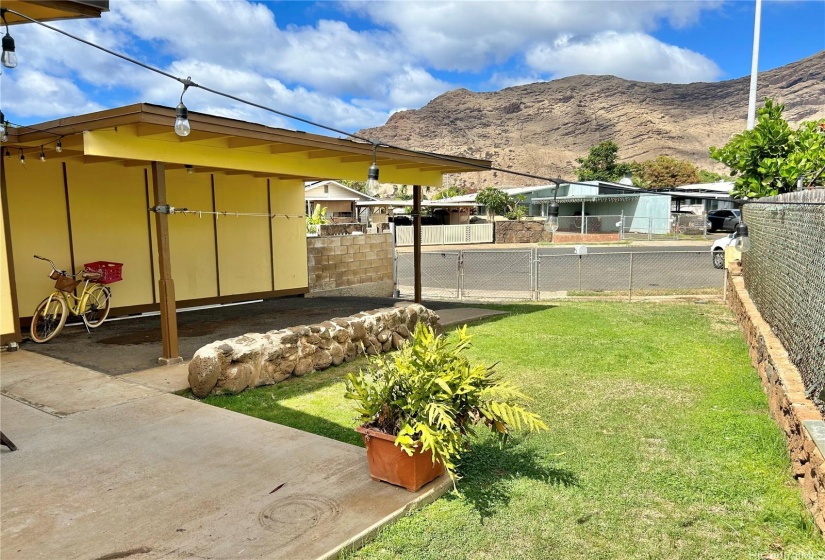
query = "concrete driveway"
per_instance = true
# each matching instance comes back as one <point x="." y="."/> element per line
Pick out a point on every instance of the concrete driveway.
<point x="107" y="468"/>
<point x="111" y="467"/>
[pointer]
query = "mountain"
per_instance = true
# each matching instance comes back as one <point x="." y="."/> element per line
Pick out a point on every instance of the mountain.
<point x="542" y="128"/>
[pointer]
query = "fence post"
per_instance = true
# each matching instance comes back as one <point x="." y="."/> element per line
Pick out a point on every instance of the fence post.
<point x="580" y="273"/>
<point x="630" y="286"/>
<point x="460" y="275"/>
<point x="534" y="273"/>
<point x="650" y="229"/>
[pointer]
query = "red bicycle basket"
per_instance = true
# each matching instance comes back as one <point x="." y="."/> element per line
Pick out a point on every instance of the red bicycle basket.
<point x="109" y="271"/>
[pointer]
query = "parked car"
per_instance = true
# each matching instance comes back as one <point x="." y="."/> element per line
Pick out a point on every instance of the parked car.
<point x="717" y="250"/>
<point x="726" y="220"/>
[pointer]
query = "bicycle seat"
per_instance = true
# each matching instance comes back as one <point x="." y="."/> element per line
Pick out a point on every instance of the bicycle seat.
<point x="91" y="275"/>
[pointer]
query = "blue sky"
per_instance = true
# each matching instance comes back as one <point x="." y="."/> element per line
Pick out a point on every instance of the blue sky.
<point x="351" y="64"/>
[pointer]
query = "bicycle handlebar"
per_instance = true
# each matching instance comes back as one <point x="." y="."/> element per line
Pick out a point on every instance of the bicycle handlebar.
<point x="63" y="272"/>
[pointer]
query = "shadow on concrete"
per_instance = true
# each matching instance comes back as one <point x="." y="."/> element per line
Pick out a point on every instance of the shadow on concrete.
<point x="133" y="344"/>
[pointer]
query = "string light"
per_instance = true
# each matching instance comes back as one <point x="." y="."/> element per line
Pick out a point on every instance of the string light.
<point x="182" y="127"/>
<point x="59" y="147"/>
<point x="22" y="157"/>
<point x="42" y="154"/>
<point x="189" y="169"/>
<point x="9" y="58"/>
<point x="372" y="185"/>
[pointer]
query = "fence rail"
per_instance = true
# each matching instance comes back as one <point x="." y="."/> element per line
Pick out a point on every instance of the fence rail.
<point x="530" y="275"/>
<point x="628" y="227"/>
<point x="446" y="235"/>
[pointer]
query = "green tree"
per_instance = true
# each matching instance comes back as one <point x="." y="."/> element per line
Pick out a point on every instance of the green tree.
<point x="706" y="176"/>
<point x="600" y="164"/>
<point x="449" y="192"/>
<point x="666" y="172"/>
<point x="494" y="200"/>
<point x="769" y="159"/>
<point x="360" y="186"/>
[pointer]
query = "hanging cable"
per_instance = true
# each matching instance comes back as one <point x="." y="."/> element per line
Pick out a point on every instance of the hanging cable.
<point x="187" y="82"/>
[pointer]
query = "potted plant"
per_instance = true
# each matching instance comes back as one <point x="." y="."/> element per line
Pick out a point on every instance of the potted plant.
<point x="422" y="403"/>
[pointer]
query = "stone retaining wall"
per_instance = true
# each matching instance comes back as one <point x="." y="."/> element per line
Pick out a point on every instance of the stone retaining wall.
<point x="797" y="415"/>
<point x="521" y="231"/>
<point x="252" y="360"/>
<point x="350" y="265"/>
<point x="348" y="228"/>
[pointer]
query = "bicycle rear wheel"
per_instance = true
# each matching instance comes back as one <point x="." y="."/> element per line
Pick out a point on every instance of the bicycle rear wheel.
<point x="48" y="318"/>
<point x="96" y="308"/>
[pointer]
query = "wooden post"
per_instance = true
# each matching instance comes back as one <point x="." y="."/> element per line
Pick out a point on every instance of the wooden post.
<point x="166" y="286"/>
<point x="417" y="242"/>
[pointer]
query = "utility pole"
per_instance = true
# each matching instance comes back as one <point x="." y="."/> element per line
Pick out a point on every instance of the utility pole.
<point x="754" y="66"/>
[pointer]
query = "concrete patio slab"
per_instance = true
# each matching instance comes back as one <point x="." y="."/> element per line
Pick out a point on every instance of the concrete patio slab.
<point x="154" y="475"/>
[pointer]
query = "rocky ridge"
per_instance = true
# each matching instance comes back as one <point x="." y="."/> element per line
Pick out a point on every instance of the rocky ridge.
<point x="542" y="128"/>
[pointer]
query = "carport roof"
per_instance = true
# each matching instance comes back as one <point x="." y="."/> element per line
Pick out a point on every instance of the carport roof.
<point x="49" y="10"/>
<point x="140" y="133"/>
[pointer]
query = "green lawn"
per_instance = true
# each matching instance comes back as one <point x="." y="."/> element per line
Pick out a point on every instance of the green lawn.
<point x="660" y="445"/>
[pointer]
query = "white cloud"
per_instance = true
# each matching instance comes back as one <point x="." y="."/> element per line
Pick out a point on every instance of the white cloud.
<point x="346" y="75"/>
<point x="469" y="35"/>
<point x="633" y="56"/>
<point x="33" y="94"/>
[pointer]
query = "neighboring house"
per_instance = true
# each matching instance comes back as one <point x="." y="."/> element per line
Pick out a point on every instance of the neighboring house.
<point x="340" y="201"/>
<point x="701" y="198"/>
<point x="607" y="203"/>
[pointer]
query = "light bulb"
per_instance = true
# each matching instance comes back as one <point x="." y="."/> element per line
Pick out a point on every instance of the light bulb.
<point x="59" y="147"/>
<point x="372" y="180"/>
<point x="552" y="222"/>
<point x="182" y="127"/>
<point x="42" y="155"/>
<point x="189" y="169"/>
<point x="9" y="59"/>
<point x="22" y="159"/>
<point x="741" y="239"/>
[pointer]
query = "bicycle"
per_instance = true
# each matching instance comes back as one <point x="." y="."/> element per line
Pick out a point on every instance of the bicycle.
<point x="92" y="305"/>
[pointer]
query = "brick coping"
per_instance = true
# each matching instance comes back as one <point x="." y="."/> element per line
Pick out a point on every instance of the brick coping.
<point x="792" y="410"/>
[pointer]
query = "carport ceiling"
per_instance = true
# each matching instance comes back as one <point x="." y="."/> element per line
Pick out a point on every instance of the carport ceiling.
<point x="138" y="134"/>
<point x="49" y="10"/>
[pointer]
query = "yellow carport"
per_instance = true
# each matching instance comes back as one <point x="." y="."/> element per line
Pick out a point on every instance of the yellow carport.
<point x="242" y="238"/>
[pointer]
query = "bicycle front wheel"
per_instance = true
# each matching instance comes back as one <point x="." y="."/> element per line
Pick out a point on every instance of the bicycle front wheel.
<point x="96" y="306"/>
<point x="49" y="318"/>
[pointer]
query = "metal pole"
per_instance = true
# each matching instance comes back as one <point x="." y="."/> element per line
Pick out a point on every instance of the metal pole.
<point x="580" y="273"/>
<point x="630" y="286"/>
<point x="582" y="228"/>
<point x="754" y="66"/>
<point x="417" y="243"/>
<point x="621" y="227"/>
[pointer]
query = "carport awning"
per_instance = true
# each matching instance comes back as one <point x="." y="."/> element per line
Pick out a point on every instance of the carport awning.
<point x="595" y="198"/>
<point x="137" y="134"/>
<point x="49" y="10"/>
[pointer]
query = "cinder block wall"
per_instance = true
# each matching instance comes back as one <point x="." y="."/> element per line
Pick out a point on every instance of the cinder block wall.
<point x="353" y="265"/>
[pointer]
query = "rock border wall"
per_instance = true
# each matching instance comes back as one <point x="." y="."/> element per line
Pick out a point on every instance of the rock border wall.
<point x="252" y="360"/>
<point x="789" y="406"/>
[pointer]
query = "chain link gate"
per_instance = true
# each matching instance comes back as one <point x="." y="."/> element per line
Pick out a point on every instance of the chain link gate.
<point x="530" y="275"/>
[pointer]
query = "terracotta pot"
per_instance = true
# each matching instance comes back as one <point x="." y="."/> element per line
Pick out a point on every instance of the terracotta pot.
<point x="391" y="464"/>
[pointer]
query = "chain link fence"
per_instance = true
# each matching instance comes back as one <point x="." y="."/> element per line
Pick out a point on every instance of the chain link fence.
<point x="785" y="276"/>
<point x="532" y="275"/>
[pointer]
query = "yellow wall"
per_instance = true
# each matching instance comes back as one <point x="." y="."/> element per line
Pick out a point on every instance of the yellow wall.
<point x="7" y="325"/>
<point x="243" y="241"/>
<point x="39" y="226"/>
<point x="110" y="221"/>
<point x="289" y="245"/>
<point x="192" y="238"/>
